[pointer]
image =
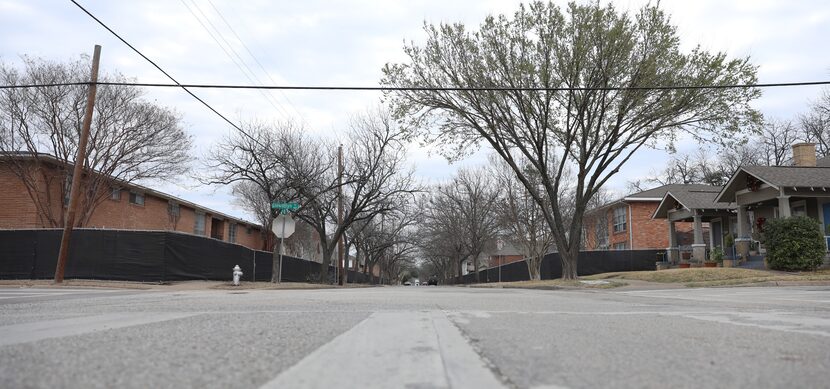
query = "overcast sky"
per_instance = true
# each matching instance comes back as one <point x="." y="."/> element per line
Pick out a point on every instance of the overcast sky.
<point x="315" y="42"/>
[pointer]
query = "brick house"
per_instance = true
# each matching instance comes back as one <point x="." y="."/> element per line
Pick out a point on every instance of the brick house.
<point x="627" y="223"/>
<point x="125" y="206"/>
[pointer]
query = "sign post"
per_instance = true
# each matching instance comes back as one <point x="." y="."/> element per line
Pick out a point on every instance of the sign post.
<point x="283" y="226"/>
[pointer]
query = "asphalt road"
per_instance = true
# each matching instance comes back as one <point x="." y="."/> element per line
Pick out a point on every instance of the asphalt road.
<point x="415" y="337"/>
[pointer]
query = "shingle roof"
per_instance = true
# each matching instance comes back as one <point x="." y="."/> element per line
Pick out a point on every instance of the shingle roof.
<point x="700" y="199"/>
<point x="791" y="176"/>
<point x="691" y="197"/>
<point x="823" y="162"/>
<point x="660" y="191"/>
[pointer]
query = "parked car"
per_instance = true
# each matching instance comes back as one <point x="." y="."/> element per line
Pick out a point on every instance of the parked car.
<point x="407" y="283"/>
<point x="433" y="281"/>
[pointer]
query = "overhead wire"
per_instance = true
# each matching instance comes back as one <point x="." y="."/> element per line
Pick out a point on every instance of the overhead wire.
<point x="232" y="54"/>
<point x="424" y="88"/>
<point x="256" y="60"/>
<point x="177" y="83"/>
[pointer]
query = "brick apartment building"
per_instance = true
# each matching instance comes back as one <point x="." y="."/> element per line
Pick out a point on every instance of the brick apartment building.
<point x="125" y="206"/>
<point x="627" y="223"/>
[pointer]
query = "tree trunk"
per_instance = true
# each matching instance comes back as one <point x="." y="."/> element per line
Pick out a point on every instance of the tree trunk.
<point x="324" y="266"/>
<point x="475" y="265"/>
<point x="569" y="260"/>
<point x="534" y="267"/>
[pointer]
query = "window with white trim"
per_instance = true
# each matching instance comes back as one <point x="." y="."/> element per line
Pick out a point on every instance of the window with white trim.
<point x="232" y="232"/>
<point x="115" y="194"/>
<point x="620" y="223"/>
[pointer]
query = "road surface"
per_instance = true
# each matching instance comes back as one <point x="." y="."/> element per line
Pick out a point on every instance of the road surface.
<point x="415" y="337"/>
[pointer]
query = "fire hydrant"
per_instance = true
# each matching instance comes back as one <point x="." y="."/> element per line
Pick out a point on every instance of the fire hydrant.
<point x="237" y="273"/>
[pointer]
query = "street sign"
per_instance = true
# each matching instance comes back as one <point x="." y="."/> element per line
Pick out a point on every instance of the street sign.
<point x="283" y="226"/>
<point x="285" y="206"/>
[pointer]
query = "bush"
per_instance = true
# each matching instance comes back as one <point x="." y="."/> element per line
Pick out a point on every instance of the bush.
<point x="794" y="243"/>
<point x="716" y="255"/>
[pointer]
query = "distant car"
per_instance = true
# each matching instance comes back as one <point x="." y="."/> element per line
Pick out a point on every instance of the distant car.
<point x="407" y="283"/>
<point x="417" y="283"/>
<point x="432" y="281"/>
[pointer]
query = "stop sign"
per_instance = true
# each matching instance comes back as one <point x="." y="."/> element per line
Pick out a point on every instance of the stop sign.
<point x="283" y="226"/>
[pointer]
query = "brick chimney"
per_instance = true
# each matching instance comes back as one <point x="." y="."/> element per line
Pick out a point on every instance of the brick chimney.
<point x="804" y="154"/>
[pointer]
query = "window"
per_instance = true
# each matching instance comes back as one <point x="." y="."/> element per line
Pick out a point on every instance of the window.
<point x="799" y="208"/>
<point x="249" y="231"/>
<point x="601" y="230"/>
<point x="619" y="219"/>
<point x="66" y="190"/>
<point x="619" y="246"/>
<point x="199" y="226"/>
<point x="232" y="232"/>
<point x="173" y="209"/>
<point x="137" y="198"/>
<point x="115" y="194"/>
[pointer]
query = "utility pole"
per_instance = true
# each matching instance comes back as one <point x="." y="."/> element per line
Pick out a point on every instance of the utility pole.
<point x="340" y="263"/>
<point x="77" y="174"/>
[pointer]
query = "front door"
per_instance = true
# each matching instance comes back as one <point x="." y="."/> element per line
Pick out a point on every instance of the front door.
<point x="717" y="234"/>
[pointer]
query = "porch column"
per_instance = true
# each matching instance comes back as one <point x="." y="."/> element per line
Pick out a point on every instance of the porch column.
<point x="698" y="247"/>
<point x="784" y="206"/>
<point x="673" y="252"/>
<point x="743" y="239"/>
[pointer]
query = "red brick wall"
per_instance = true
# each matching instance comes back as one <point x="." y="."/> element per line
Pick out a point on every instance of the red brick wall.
<point x="646" y="233"/>
<point x="18" y="211"/>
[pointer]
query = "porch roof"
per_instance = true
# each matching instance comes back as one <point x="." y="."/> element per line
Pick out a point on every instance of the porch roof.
<point x="691" y="198"/>
<point x="777" y="177"/>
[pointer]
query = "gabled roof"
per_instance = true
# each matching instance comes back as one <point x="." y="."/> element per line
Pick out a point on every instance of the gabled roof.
<point x="690" y="197"/>
<point x="777" y="177"/>
<point x="656" y="194"/>
<point x="823" y="162"/>
<point x="653" y="194"/>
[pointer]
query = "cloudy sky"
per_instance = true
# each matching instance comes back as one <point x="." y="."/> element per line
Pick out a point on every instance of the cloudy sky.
<point x="315" y="42"/>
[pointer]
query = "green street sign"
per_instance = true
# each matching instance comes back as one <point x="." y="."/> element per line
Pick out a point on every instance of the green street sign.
<point x="285" y="206"/>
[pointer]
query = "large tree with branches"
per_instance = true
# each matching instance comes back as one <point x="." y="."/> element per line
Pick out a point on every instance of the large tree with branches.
<point x="607" y="82"/>
<point x="131" y="139"/>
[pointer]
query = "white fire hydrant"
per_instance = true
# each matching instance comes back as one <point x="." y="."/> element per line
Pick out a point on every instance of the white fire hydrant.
<point x="237" y="273"/>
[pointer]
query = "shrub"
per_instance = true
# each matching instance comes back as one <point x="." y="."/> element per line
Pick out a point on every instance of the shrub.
<point x="716" y="255"/>
<point x="794" y="243"/>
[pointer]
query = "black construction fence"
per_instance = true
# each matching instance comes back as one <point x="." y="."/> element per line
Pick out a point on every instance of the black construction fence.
<point x="589" y="262"/>
<point x="144" y="256"/>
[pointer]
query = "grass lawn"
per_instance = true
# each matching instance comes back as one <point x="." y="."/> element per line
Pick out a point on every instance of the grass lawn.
<point x="714" y="276"/>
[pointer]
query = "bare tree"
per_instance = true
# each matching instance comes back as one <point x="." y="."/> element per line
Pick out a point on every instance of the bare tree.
<point x="596" y="110"/>
<point x="522" y="218"/>
<point x="374" y="181"/>
<point x="267" y="163"/>
<point x="131" y="139"/>
<point x="815" y="124"/>
<point x="440" y="224"/>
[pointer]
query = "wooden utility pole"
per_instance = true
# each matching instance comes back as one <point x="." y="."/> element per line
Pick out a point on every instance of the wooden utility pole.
<point x="341" y="263"/>
<point x="77" y="174"/>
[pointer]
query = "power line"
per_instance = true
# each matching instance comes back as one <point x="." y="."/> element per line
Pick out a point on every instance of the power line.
<point x="419" y="88"/>
<point x="256" y="60"/>
<point x="232" y="54"/>
<point x="177" y="84"/>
